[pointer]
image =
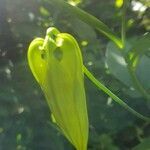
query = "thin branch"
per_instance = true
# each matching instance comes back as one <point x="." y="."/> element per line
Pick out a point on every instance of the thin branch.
<point x="100" y="86"/>
<point x="123" y="26"/>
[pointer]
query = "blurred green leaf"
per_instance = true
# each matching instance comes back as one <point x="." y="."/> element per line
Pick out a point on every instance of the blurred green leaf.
<point x="141" y="45"/>
<point x="118" y="67"/>
<point x="145" y="145"/>
<point x="116" y="64"/>
<point x="143" y="71"/>
<point x="106" y="143"/>
<point x="89" y="19"/>
<point x="80" y="28"/>
<point x="44" y="11"/>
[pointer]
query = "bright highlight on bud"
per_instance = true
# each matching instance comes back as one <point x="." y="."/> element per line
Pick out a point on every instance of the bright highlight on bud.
<point x="56" y="63"/>
<point x="118" y="3"/>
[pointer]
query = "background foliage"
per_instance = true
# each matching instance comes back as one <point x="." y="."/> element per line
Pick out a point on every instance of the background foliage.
<point x="24" y="115"/>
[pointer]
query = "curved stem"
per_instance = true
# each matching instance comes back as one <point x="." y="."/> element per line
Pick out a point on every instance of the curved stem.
<point x="89" y="19"/>
<point x="137" y="83"/>
<point x="100" y="86"/>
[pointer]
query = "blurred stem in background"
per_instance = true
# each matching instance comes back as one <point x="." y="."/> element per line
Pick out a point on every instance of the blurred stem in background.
<point x="100" y="86"/>
<point x="138" y="86"/>
<point x="136" y="83"/>
<point x="123" y="28"/>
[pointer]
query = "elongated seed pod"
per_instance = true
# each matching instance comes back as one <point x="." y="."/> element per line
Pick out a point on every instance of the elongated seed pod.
<point x="56" y="63"/>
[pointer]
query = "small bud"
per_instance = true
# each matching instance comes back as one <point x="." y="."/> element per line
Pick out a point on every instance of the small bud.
<point x="60" y="75"/>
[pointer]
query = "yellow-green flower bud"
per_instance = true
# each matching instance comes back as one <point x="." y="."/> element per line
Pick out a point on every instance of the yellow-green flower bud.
<point x="56" y="63"/>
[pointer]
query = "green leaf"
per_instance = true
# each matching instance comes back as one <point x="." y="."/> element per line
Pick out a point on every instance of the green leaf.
<point x="145" y="145"/>
<point x="141" y="45"/>
<point x="87" y="18"/>
<point x="80" y="28"/>
<point x="116" y="64"/>
<point x="106" y="142"/>
<point x="143" y="71"/>
<point x="118" y="67"/>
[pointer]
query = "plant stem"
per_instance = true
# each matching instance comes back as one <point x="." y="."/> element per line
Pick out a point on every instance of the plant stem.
<point x="100" y="86"/>
<point x="136" y="82"/>
<point x="89" y="19"/>
<point x="123" y="28"/>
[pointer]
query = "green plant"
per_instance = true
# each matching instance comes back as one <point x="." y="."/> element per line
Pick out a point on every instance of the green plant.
<point x="131" y="55"/>
<point x="56" y="63"/>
